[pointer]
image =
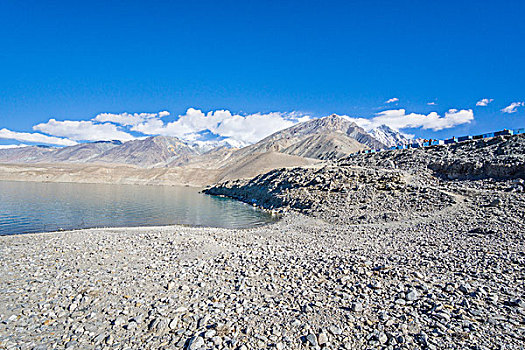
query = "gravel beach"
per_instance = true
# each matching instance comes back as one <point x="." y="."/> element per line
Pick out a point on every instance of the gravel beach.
<point x="445" y="270"/>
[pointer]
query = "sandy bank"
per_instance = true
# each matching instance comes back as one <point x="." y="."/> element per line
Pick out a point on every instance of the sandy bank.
<point x="107" y="174"/>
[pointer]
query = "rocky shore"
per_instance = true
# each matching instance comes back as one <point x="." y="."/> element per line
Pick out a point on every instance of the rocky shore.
<point x="375" y="252"/>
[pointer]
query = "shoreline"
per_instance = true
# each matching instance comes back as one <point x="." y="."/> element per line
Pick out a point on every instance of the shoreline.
<point x="142" y="228"/>
<point x="108" y="183"/>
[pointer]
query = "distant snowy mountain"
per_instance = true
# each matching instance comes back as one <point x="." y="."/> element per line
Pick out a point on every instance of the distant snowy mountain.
<point x="205" y="146"/>
<point x="390" y="137"/>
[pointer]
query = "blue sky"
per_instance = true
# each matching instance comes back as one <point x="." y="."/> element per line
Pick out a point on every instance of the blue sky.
<point x="71" y="61"/>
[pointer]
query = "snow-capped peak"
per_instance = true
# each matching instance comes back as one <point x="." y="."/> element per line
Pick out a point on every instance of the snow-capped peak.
<point x="204" y="146"/>
<point x="389" y="136"/>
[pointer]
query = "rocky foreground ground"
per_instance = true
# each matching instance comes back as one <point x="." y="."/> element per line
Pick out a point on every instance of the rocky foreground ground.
<point x="374" y="252"/>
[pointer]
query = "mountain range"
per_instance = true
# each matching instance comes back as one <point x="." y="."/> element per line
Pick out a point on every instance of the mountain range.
<point x="327" y="138"/>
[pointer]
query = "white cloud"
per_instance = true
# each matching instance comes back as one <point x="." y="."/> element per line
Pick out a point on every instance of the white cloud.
<point x="392" y="100"/>
<point x="484" y="102"/>
<point x="432" y="104"/>
<point x="304" y="119"/>
<point x="245" y="129"/>
<point x="219" y="126"/>
<point x="398" y="119"/>
<point x="128" y="119"/>
<point x="34" y="138"/>
<point x="254" y="127"/>
<point x="12" y="146"/>
<point x="512" y="108"/>
<point x="83" y="130"/>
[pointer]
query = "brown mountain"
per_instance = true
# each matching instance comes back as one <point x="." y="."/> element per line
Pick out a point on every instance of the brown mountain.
<point x="330" y="132"/>
<point x="30" y="154"/>
<point x="151" y="151"/>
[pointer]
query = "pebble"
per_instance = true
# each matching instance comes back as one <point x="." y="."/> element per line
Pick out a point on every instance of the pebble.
<point x="195" y="343"/>
<point x="357" y="307"/>
<point x="412" y="295"/>
<point x="322" y="338"/>
<point x="170" y="286"/>
<point x="119" y="321"/>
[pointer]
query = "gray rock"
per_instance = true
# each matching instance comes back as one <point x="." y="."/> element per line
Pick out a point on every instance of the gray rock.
<point x="311" y="339"/>
<point x="119" y="321"/>
<point x="382" y="338"/>
<point x="335" y="330"/>
<point x="195" y="343"/>
<point x="217" y="341"/>
<point x="210" y="333"/>
<point x="322" y="338"/>
<point x="170" y="286"/>
<point x="357" y="307"/>
<point x="173" y="323"/>
<point x="412" y="295"/>
<point x="375" y="285"/>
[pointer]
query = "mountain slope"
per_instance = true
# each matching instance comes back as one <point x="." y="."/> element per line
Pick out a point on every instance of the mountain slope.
<point x="213" y="159"/>
<point x="259" y="163"/>
<point x="80" y="153"/>
<point x="325" y="146"/>
<point x="155" y="150"/>
<point x="30" y="154"/>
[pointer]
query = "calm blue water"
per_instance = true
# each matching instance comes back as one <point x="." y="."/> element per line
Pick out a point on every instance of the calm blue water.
<point x="28" y="207"/>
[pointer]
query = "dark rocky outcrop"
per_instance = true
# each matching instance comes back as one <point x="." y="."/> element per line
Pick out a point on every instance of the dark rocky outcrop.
<point x="386" y="186"/>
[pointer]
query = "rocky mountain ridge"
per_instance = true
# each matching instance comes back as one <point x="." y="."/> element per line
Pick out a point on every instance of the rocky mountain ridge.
<point x="392" y="178"/>
<point x="333" y="124"/>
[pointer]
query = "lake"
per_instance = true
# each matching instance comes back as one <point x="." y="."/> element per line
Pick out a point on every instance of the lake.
<point x="29" y="207"/>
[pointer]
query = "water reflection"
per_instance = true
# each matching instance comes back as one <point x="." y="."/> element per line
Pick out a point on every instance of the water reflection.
<point x="27" y="207"/>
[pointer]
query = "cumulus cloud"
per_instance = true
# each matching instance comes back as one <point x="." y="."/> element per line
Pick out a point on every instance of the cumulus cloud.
<point x="392" y="100"/>
<point x="128" y="119"/>
<point x="399" y="119"/>
<point x="432" y="104"/>
<point x="12" y="146"/>
<point x="34" y="138"/>
<point x="83" y="130"/>
<point x="484" y="102"/>
<point x="512" y="108"/>
<point x="242" y="128"/>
